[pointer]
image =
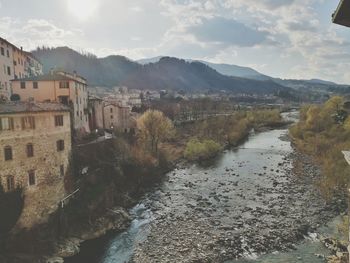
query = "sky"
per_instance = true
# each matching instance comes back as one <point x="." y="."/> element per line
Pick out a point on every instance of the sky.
<point x="280" y="38"/>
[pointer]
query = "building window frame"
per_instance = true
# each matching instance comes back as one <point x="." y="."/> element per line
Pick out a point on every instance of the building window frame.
<point x="31" y="178"/>
<point x="23" y="84"/>
<point x="8" y="153"/>
<point x="60" y="145"/>
<point x="6" y="124"/>
<point x="28" y="123"/>
<point x="59" y="121"/>
<point x="30" y="150"/>
<point x="35" y="85"/>
<point x="10" y="181"/>
<point x="64" y="84"/>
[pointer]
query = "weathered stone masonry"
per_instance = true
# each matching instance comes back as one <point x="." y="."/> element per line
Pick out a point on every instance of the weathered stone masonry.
<point x="42" y="174"/>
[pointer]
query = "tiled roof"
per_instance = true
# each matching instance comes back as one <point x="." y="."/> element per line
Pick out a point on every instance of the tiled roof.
<point x="20" y="107"/>
<point x="49" y="77"/>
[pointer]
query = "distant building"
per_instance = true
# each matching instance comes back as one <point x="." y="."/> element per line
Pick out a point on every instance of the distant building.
<point x="62" y="87"/>
<point x="118" y="117"/>
<point x="95" y="113"/>
<point x="15" y="63"/>
<point x="35" y="147"/>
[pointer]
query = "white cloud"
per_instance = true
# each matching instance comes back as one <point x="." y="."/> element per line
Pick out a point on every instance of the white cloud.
<point x="36" y="32"/>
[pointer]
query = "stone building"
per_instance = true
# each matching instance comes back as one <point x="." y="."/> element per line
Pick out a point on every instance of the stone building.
<point x="62" y="87"/>
<point x="15" y="63"/>
<point x="118" y="117"/>
<point x="35" y="148"/>
<point x="6" y="68"/>
<point x="95" y="113"/>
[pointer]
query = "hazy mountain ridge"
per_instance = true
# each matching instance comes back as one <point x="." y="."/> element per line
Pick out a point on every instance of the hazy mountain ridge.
<point x="167" y="73"/>
<point x="224" y="69"/>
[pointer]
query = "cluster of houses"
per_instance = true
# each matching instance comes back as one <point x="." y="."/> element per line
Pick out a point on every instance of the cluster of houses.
<point x="40" y="116"/>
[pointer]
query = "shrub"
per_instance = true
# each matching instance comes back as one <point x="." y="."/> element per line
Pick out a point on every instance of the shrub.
<point x="201" y="150"/>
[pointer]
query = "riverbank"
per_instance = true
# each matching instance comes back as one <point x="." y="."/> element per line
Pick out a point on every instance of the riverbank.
<point x="219" y="215"/>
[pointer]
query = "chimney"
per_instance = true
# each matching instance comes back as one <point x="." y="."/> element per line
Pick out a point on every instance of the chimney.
<point x="74" y="74"/>
<point x="21" y="48"/>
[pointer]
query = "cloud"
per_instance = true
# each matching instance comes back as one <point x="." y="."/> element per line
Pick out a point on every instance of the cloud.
<point x="227" y="31"/>
<point x="36" y="32"/>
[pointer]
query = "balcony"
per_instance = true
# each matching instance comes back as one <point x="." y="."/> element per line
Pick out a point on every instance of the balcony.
<point x="342" y="15"/>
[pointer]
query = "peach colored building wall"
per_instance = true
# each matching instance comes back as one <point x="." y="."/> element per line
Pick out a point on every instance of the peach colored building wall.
<point x="50" y="91"/>
<point x="19" y="62"/>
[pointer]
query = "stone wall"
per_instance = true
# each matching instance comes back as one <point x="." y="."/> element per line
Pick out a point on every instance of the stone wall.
<point x="43" y="197"/>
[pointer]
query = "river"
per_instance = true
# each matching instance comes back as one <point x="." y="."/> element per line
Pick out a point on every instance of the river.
<point x="247" y="204"/>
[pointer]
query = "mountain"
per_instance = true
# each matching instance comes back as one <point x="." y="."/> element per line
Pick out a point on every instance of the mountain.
<point x="108" y="71"/>
<point x="166" y="73"/>
<point x="224" y="69"/>
<point x="173" y="73"/>
<point x="146" y="61"/>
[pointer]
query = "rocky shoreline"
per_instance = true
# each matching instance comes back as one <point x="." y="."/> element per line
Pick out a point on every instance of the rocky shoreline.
<point x="117" y="219"/>
<point x="273" y="217"/>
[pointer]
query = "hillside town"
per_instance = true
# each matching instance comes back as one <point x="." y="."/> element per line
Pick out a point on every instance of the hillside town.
<point x="42" y="116"/>
<point x="164" y="159"/>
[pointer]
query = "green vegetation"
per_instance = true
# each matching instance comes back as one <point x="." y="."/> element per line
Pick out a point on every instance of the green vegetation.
<point x="323" y="132"/>
<point x="226" y="130"/>
<point x="201" y="150"/>
<point x="231" y="129"/>
<point x="154" y="127"/>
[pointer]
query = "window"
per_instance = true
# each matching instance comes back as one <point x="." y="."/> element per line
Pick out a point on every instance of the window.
<point x="8" y="71"/>
<point x="30" y="150"/>
<point x="35" y="85"/>
<point x="64" y="100"/>
<point x="111" y="116"/>
<point x="64" y="85"/>
<point x="10" y="183"/>
<point x="62" y="170"/>
<point x="60" y="145"/>
<point x="2" y="51"/>
<point x="8" y="153"/>
<point x="59" y="120"/>
<point x="31" y="177"/>
<point x="111" y="110"/>
<point x="6" y="124"/>
<point x="8" y="53"/>
<point x="28" y="123"/>
<point x="23" y="85"/>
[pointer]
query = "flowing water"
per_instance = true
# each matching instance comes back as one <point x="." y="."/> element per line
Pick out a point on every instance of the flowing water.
<point x="185" y="188"/>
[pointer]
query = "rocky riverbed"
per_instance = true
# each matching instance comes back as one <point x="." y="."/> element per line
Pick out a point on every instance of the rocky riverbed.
<point x="255" y="200"/>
